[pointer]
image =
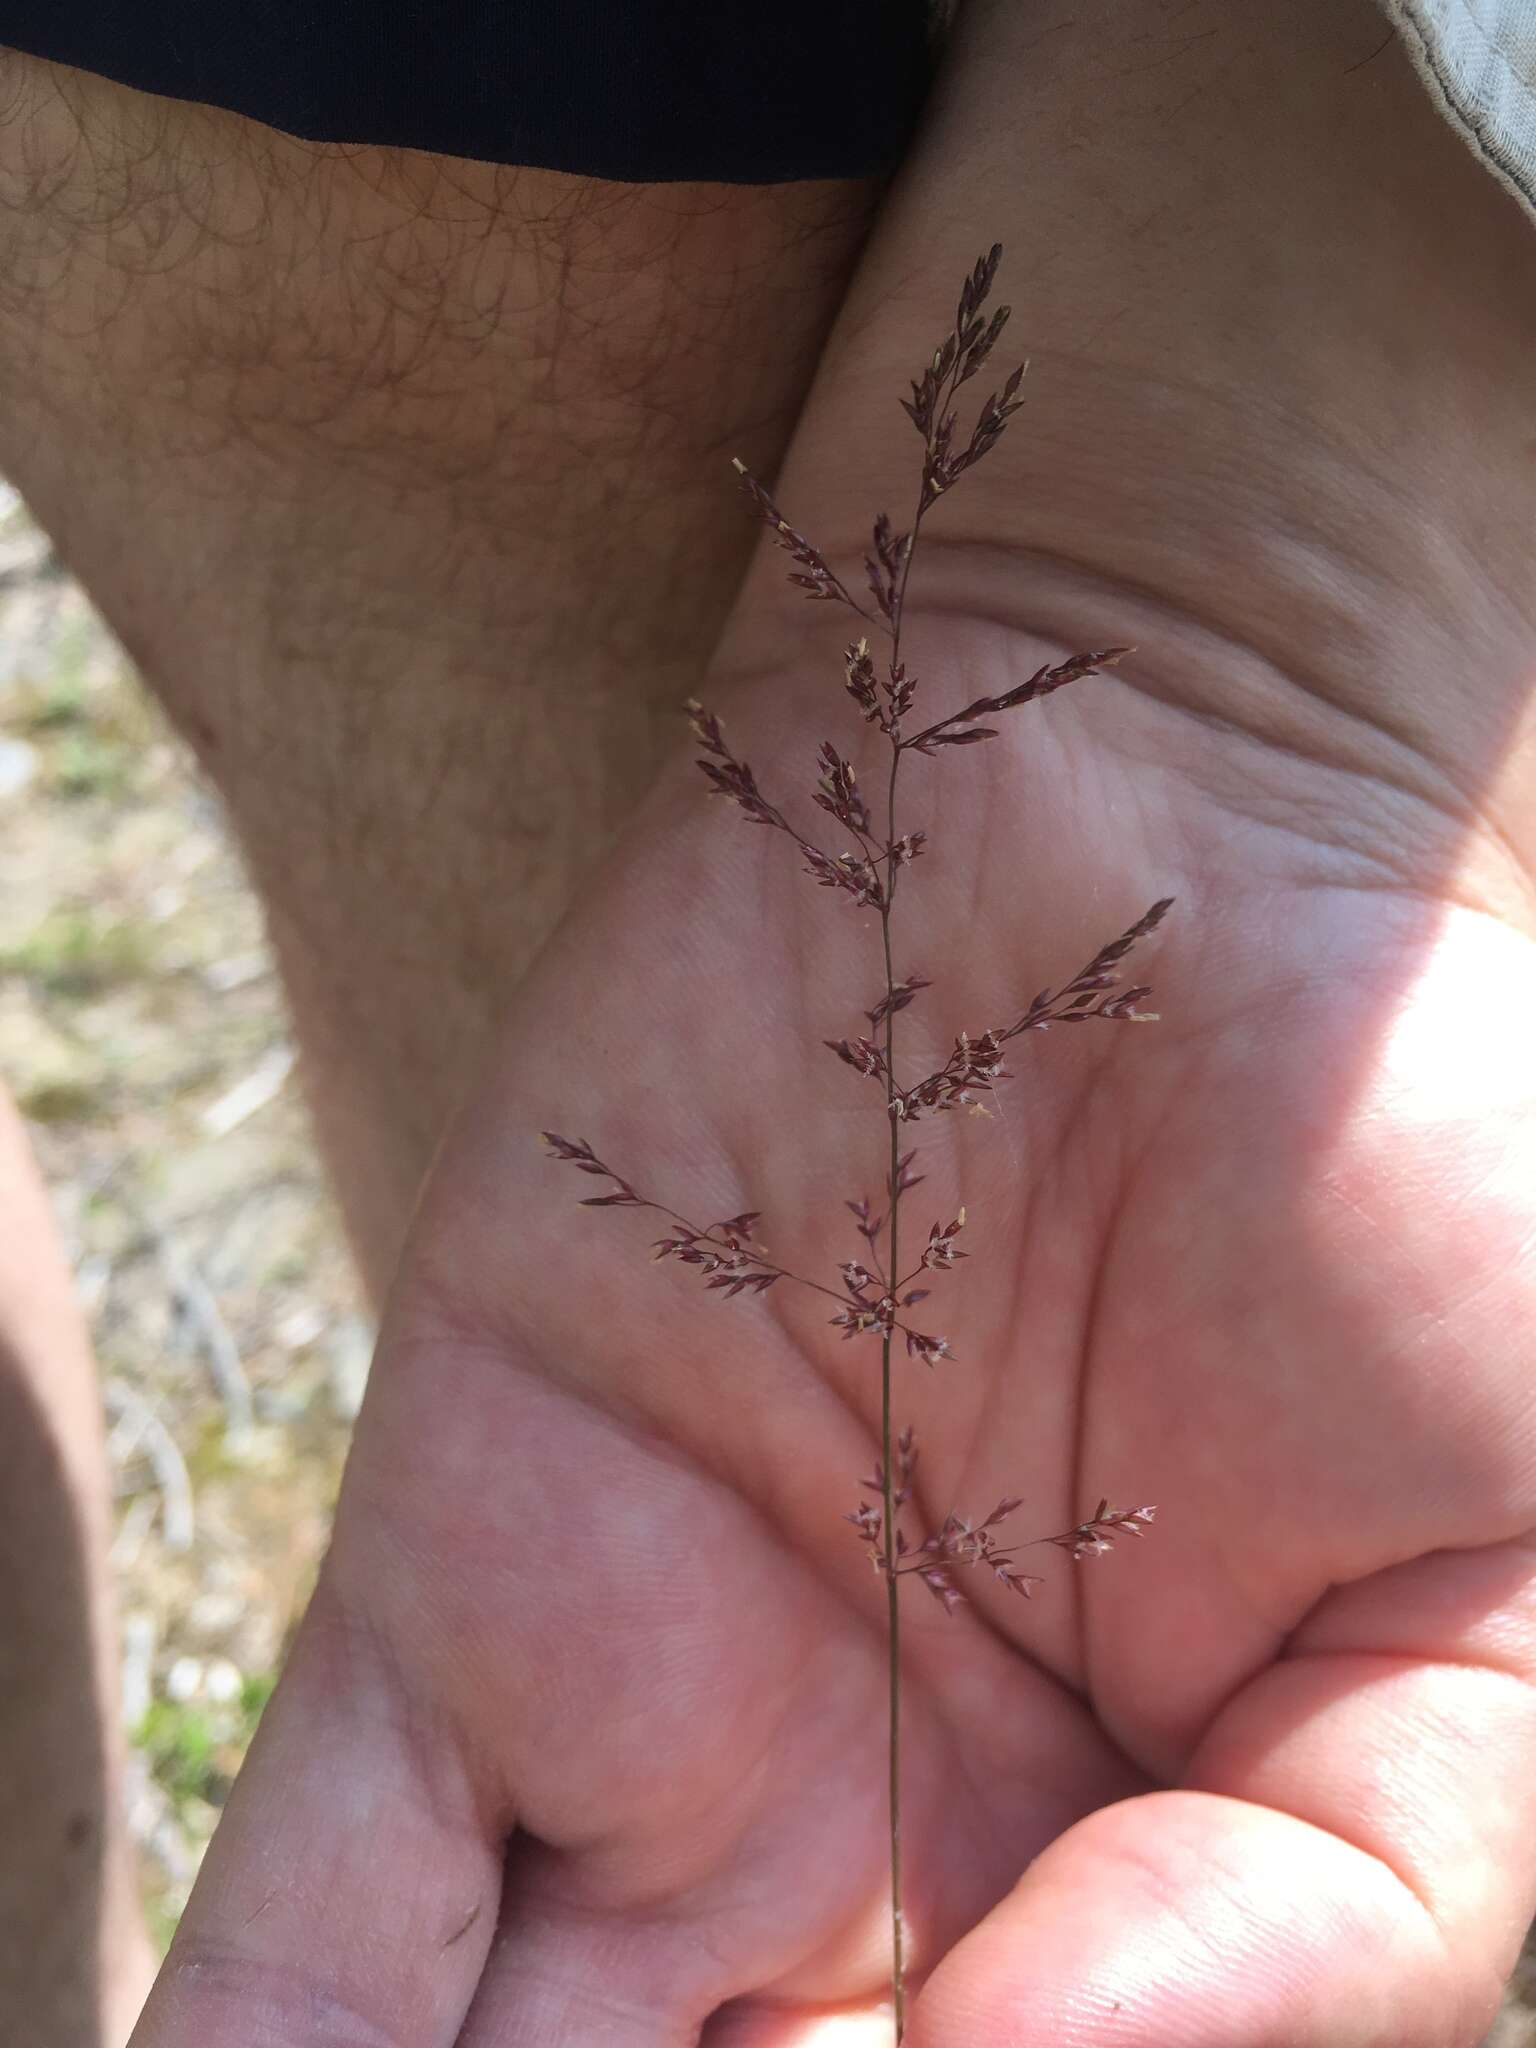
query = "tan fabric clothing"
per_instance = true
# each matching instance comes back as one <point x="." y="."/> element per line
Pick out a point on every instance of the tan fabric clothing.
<point x="1478" y="59"/>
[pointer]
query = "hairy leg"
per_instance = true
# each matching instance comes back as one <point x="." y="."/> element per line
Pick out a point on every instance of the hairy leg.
<point x="404" y="480"/>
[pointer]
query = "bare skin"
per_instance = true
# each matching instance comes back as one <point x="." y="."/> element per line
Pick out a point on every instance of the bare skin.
<point x="1269" y="1782"/>
<point x="401" y="479"/>
<point x="581" y="1740"/>
<point x="72" y="1946"/>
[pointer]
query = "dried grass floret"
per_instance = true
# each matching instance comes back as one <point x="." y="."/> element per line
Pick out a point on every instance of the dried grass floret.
<point x="872" y="1296"/>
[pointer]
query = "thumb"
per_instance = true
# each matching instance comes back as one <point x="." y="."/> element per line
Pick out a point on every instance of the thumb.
<point x="1184" y="1920"/>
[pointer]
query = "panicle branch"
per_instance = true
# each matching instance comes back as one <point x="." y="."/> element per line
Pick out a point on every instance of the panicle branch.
<point x="960" y="728"/>
<point x="1096" y="1536"/>
<point x="884" y="567"/>
<point x="883" y="700"/>
<point x="729" y="1260"/>
<point x="958" y="1544"/>
<point x="723" y="1252"/>
<point x="812" y="572"/>
<point x="955" y="361"/>
<point x="975" y="1066"/>
<point x="873" y="1297"/>
<point x="897" y="997"/>
<point x="838" y="792"/>
<point x="857" y="874"/>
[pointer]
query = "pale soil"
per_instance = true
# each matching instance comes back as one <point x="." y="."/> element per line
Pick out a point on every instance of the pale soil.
<point x="142" y="1032"/>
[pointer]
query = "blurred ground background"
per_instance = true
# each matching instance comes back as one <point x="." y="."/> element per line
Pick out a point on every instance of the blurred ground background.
<point x="143" y="1034"/>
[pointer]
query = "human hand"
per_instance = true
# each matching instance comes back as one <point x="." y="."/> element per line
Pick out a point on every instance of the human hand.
<point x="1262" y="1781"/>
<point x="590" y="1579"/>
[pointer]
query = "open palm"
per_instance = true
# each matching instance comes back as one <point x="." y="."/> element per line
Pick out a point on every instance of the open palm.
<point x="584" y="1739"/>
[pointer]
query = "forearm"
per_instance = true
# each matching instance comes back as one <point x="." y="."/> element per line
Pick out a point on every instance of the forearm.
<point x="405" y="482"/>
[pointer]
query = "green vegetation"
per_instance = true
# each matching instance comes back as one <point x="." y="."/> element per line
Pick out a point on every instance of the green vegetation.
<point x="195" y="1747"/>
<point x="81" y="952"/>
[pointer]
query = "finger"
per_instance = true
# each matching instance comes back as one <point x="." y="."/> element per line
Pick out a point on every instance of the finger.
<point x="563" y="1969"/>
<point x="764" y="2026"/>
<point x="350" y="1893"/>
<point x="558" y="1979"/>
<point x="1183" y="1918"/>
<point x="1351" y="1861"/>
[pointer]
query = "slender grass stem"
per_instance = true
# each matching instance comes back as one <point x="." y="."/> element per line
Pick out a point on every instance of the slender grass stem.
<point x="726" y="1253"/>
<point x="887" y="1461"/>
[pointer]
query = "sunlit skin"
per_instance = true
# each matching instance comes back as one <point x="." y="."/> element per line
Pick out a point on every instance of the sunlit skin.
<point x="591" y="1572"/>
<point x="583" y="1739"/>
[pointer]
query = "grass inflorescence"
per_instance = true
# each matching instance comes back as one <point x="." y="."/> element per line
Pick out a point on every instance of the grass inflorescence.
<point x="874" y="1297"/>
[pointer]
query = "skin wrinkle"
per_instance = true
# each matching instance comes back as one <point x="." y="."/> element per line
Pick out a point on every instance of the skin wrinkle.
<point x="1507" y="1606"/>
<point x="584" y="1840"/>
<point x="1439" y="794"/>
<point x="221" y="1975"/>
<point x="1238" y="1884"/>
<point x="472" y="1916"/>
<point x="1405" y="1877"/>
<point x="1453" y="1304"/>
<point x="1001" y="569"/>
<point x="1040" y="597"/>
<point x="1352" y="462"/>
<point x="359" y="1655"/>
<point x="1065" y="1137"/>
<point x="738" y="1477"/>
<point x="1077" y="1454"/>
<point x="642" y="1427"/>
<point x="668" y="1941"/>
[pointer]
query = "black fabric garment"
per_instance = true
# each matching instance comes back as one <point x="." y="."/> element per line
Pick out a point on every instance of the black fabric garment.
<point x="741" y="91"/>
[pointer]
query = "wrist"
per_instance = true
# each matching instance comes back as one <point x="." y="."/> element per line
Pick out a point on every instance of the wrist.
<point x="1282" y="332"/>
